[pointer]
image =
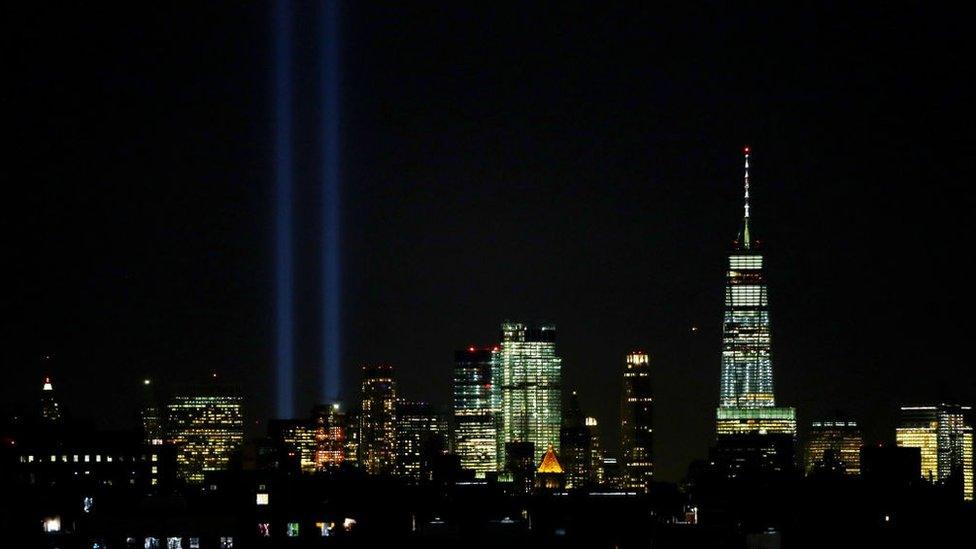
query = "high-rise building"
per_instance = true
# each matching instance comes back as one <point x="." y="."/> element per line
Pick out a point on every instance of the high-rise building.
<point x="330" y="436"/>
<point x="206" y="430"/>
<point x="421" y="434"/>
<point x="596" y="451"/>
<point x="531" y="380"/>
<point x="475" y="430"/>
<point x="747" y="403"/>
<point x="352" y="425"/>
<point x="636" y="427"/>
<point x="377" y="420"/>
<point x="576" y="440"/>
<point x="151" y="415"/>
<point x="296" y="437"/>
<point x="834" y="445"/>
<point x="50" y="409"/>
<point x="944" y="438"/>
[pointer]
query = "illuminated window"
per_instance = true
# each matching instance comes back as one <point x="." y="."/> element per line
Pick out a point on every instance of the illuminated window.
<point x="262" y="499"/>
<point x="155" y="457"/>
<point x="52" y="524"/>
<point x="264" y="530"/>
<point x="174" y="543"/>
<point x="87" y="503"/>
<point x="292" y="530"/>
<point x="226" y="542"/>
<point x="194" y="543"/>
<point x="151" y="543"/>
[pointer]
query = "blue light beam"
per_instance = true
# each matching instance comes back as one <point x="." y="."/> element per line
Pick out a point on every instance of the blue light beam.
<point x="284" y="267"/>
<point x="331" y="223"/>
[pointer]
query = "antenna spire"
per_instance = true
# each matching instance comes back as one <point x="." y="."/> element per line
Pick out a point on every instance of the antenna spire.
<point x="746" y="241"/>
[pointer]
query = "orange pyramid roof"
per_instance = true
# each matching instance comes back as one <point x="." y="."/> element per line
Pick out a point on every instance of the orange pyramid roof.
<point x="549" y="463"/>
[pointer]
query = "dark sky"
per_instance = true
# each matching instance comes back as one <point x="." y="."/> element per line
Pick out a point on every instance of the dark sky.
<point x="573" y="163"/>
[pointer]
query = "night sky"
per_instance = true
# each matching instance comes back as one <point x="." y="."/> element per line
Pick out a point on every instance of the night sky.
<point x="573" y="164"/>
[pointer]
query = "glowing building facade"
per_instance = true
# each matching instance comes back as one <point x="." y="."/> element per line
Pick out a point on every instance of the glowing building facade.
<point x="944" y="438"/>
<point x="330" y="436"/>
<point x="834" y="445"/>
<point x="377" y="419"/>
<point x="636" y="427"/>
<point x="531" y="380"/>
<point x="747" y="404"/>
<point x="205" y="430"/>
<point x="475" y="429"/>
<point x="297" y="439"/>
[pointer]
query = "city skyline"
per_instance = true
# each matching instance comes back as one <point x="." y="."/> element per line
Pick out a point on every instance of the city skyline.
<point x="593" y="188"/>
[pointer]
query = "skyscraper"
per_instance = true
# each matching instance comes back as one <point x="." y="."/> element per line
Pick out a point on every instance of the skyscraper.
<point x="205" y="429"/>
<point x="834" y="444"/>
<point x="747" y="417"/>
<point x="420" y="435"/>
<point x="330" y="436"/>
<point x="636" y="427"/>
<point x="531" y="380"/>
<point x="377" y="420"/>
<point x="475" y="431"/>
<point x="576" y="441"/>
<point x="596" y="451"/>
<point x="945" y="439"/>
<point x="297" y="438"/>
<point x="50" y="409"/>
<point x="153" y="430"/>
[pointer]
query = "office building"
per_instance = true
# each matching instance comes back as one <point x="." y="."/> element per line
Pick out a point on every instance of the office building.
<point x="206" y="430"/>
<point x="636" y="427"/>
<point x="330" y="436"/>
<point x="151" y="415"/>
<point x="377" y="420"/>
<point x="834" y="445"/>
<point x="531" y="382"/>
<point x="747" y="411"/>
<point x="421" y="434"/>
<point x="944" y="437"/>
<point x="575" y="439"/>
<point x="475" y="430"/>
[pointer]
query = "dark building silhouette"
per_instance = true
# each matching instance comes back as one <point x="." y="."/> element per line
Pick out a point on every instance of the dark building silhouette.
<point x="636" y="422"/>
<point x="576" y="441"/>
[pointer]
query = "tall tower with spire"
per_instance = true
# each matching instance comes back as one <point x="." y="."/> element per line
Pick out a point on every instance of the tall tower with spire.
<point x="747" y="403"/>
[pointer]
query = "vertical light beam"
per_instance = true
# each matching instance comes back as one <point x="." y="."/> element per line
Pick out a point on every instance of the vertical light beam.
<point x="331" y="223"/>
<point x="284" y="268"/>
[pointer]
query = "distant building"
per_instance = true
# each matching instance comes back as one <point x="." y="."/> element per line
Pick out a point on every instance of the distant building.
<point x="377" y="420"/>
<point x="330" y="436"/>
<point x="475" y="429"/>
<point x="50" y="409"/>
<point x="206" y="430"/>
<point x="531" y="384"/>
<point x="636" y="422"/>
<point x="834" y="445"/>
<point x="550" y="474"/>
<point x="944" y="438"/>
<point x="352" y="425"/>
<point x="596" y="451"/>
<point x="151" y="415"/>
<point x="296" y="437"/>
<point x="747" y="410"/>
<point x="520" y="466"/>
<point x="576" y="442"/>
<point x="420" y="435"/>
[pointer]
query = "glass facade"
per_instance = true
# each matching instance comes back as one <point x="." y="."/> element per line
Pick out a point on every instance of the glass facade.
<point x="475" y="429"/>
<point x="834" y="444"/>
<point x="746" y="401"/>
<point x="531" y="378"/>
<point x="944" y="437"/>
<point x="206" y="430"/>
<point x="377" y="420"/>
<point x="636" y="427"/>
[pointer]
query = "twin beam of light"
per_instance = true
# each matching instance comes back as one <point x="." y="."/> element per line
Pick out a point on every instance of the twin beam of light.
<point x="284" y="190"/>
<point x="331" y="295"/>
<point x="284" y="254"/>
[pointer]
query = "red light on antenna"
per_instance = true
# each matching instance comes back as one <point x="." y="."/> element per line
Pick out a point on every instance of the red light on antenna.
<point x="471" y="349"/>
<point x="746" y="150"/>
